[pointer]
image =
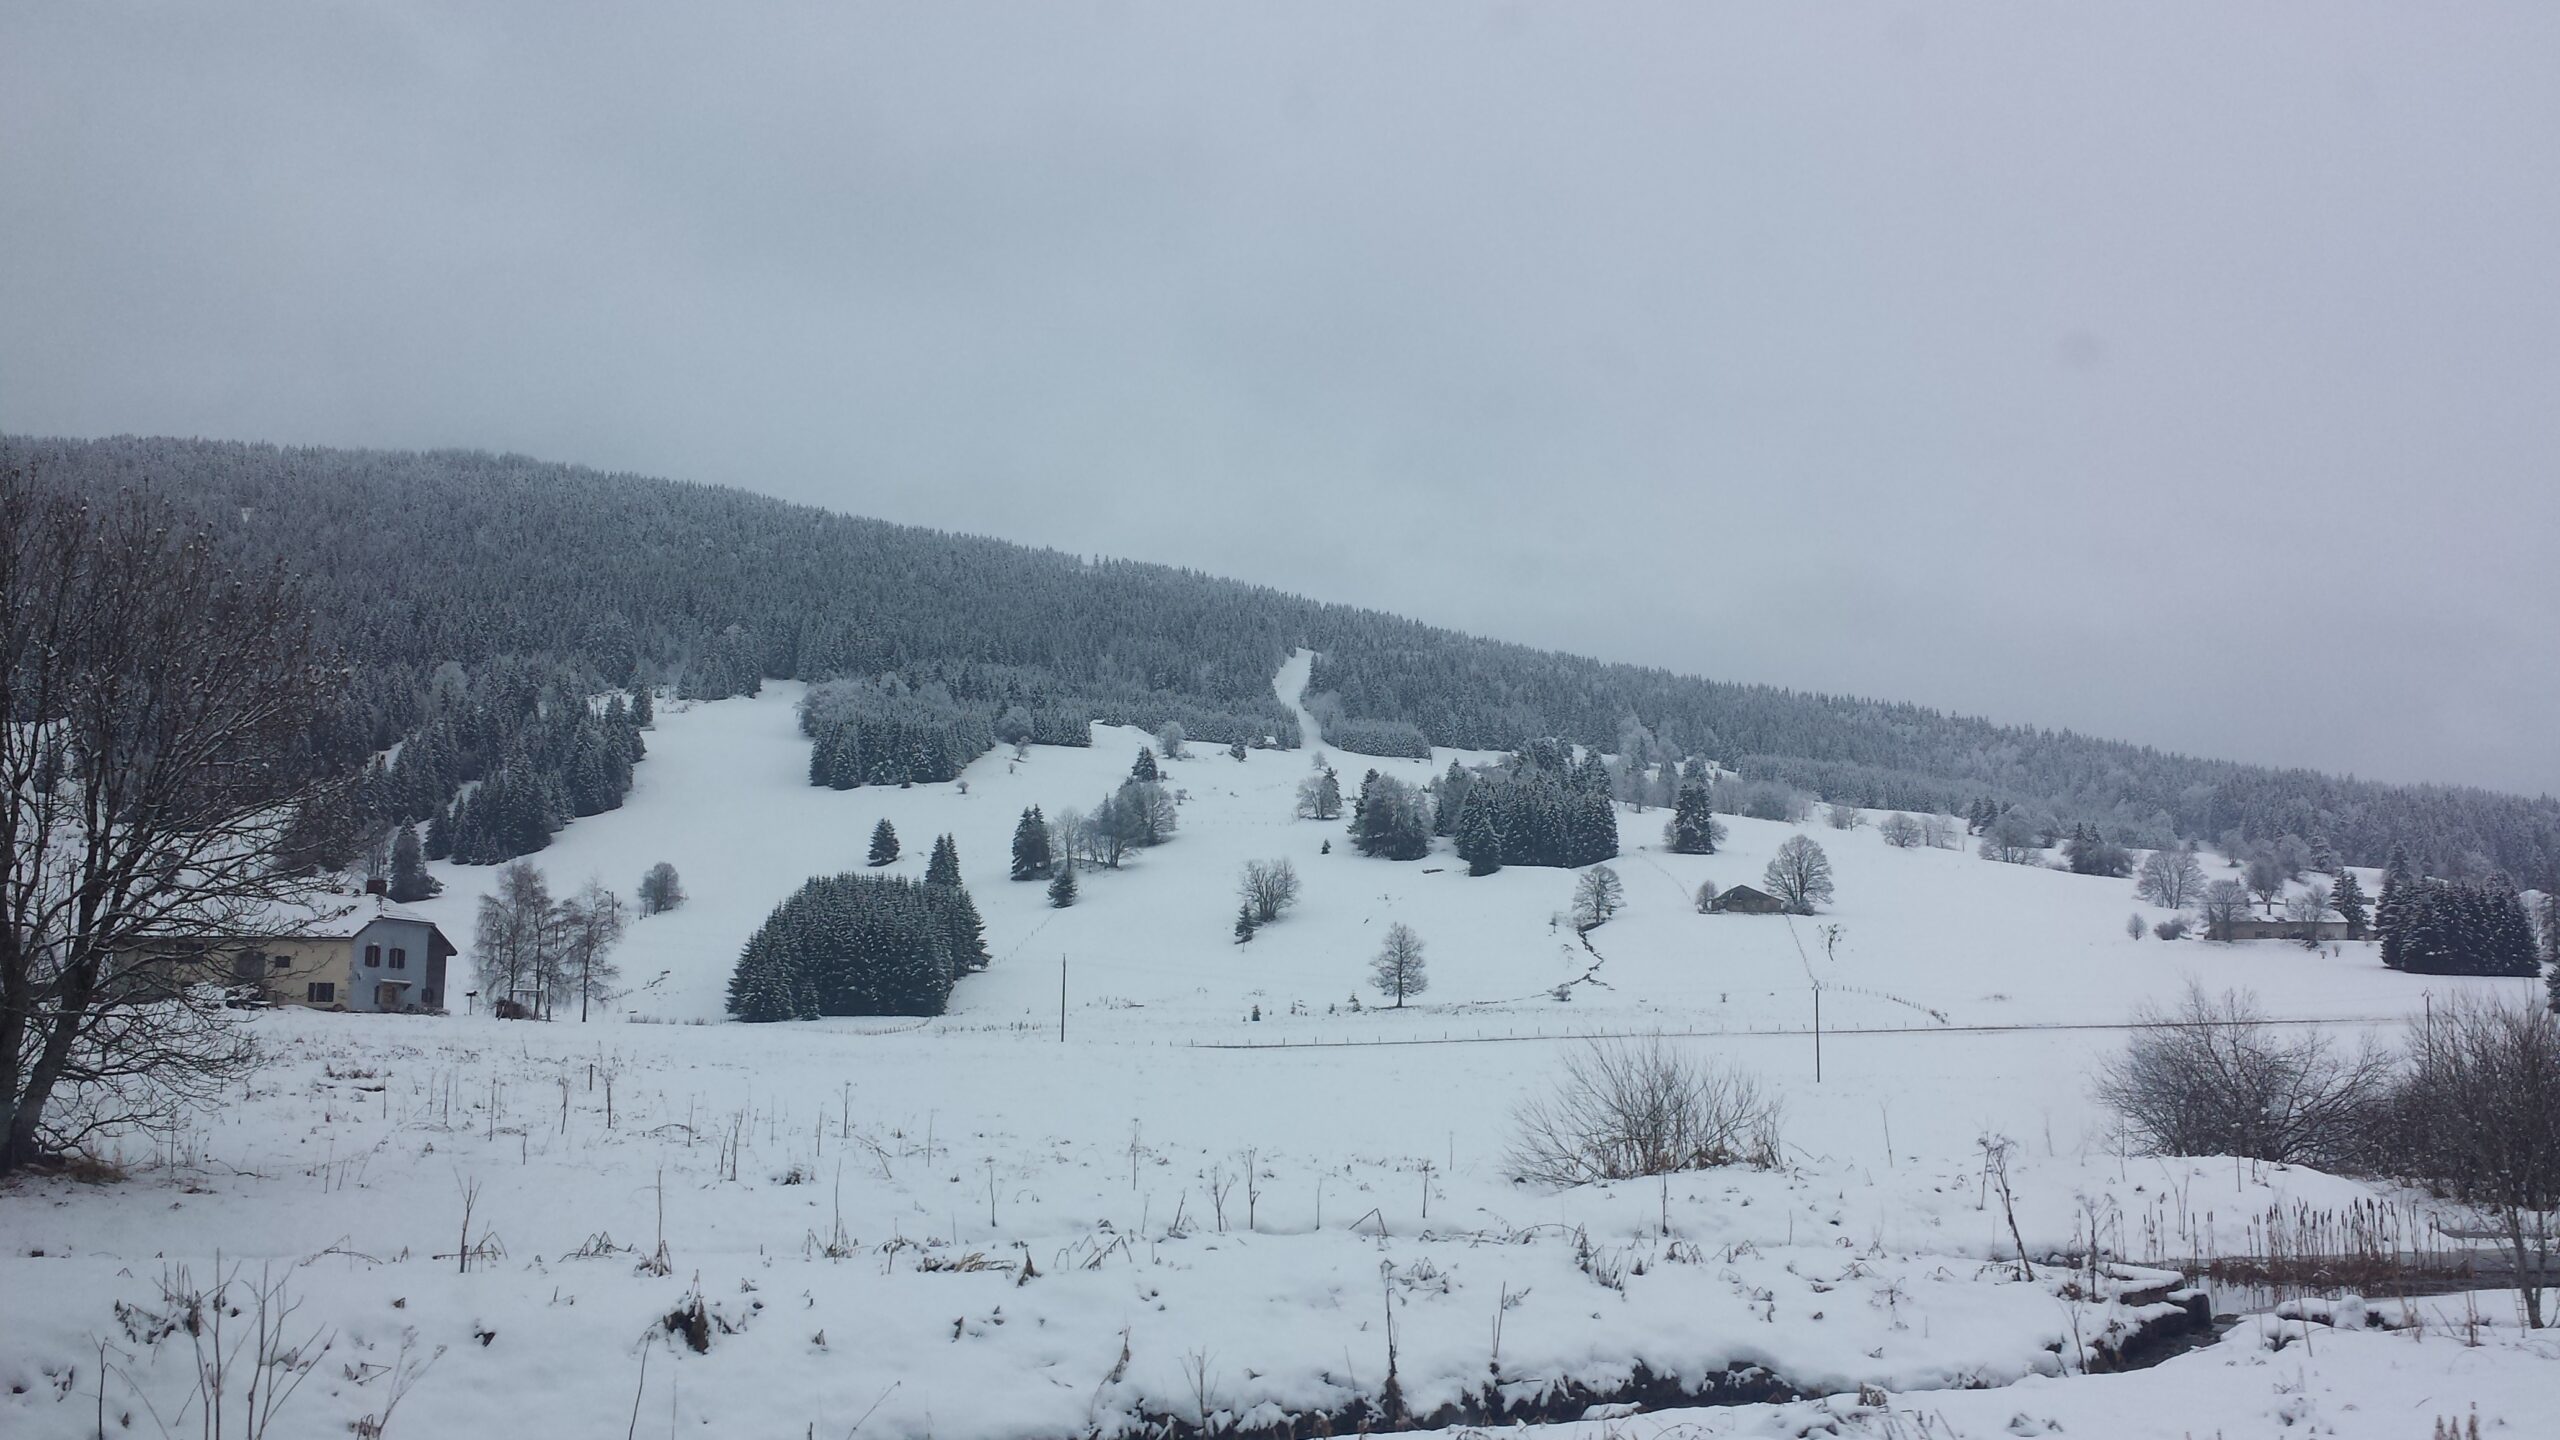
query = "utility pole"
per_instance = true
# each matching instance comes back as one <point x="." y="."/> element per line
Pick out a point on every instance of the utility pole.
<point x="1062" y="999"/>
<point x="1817" y="1034"/>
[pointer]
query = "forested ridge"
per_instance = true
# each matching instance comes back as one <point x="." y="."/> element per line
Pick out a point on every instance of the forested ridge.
<point x="444" y="574"/>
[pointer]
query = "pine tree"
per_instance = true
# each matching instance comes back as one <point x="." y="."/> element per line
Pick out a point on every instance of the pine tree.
<point x="2390" y="918"/>
<point x="944" y="866"/>
<point x="644" y="707"/>
<point x="1246" y="923"/>
<point x="1479" y="841"/>
<point x="410" y="881"/>
<point x="963" y="930"/>
<point x="1145" y="767"/>
<point x="884" y="843"/>
<point x="2348" y="899"/>
<point x="1693" y="829"/>
<point x="1031" y="845"/>
<point x="1062" y="886"/>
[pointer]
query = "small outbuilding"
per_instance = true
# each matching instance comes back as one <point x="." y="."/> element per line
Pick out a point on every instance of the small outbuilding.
<point x="1743" y="900"/>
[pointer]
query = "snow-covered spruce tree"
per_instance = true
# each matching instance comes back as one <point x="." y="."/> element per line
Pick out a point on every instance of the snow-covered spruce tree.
<point x="1800" y="876"/>
<point x="1062" y="886"/>
<point x="1144" y="768"/>
<point x="1449" y="799"/>
<point x="410" y="881"/>
<point x="884" y="843"/>
<point x="1246" y="923"/>
<point x="156" y="706"/>
<point x="1693" y="829"/>
<point x="1479" y="843"/>
<point x="962" y="929"/>
<point x="2388" y="916"/>
<point x="1397" y="970"/>
<point x="660" y="890"/>
<point x="943" y="868"/>
<point x="1031" y="845"/>
<point x="2348" y="899"/>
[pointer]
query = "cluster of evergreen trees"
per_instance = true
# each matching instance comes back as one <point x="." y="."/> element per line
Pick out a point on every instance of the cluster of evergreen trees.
<point x="1544" y="808"/>
<point x="2086" y="852"/>
<point x="460" y="564"/>
<point x="567" y="760"/>
<point x="2453" y="927"/>
<point x="881" y="733"/>
<point x="861" y="945"/>
<point x="1390" y="819"/>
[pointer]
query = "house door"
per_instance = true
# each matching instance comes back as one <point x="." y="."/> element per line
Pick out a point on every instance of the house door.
<point x="387" y="997"/>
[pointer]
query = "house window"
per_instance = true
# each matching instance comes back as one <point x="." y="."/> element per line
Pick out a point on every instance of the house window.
<point x="280" y="962"/>
<point x="399" y="958"/>
<point x="373" y="956"/>
<point x="321" y="992"/>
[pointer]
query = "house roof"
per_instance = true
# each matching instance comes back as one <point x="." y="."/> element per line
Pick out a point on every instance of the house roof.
<point x="332" y="916"/>
<point x="1745" y="891"/>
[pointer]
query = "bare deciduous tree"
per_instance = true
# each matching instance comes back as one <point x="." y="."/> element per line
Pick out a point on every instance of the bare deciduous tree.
<point x="1397" y="968"/>
<point x="1800" y="875"/>
<point x="1268" y="887"/>
<point x="2171" y="879"/>
<point x="517" y="945"/>
<point x="590" y="924"/>
<point x="1597" y="897"/>
<point x="153" y="708"/>
<point x="1900" y="831"/>
<point x="2213" y="1077"/>
<point x="1642" y="1108"/>
<point x="660" y="891"/>
<point x="2224" y="904"/>
<point x="1939" y="832"/>
<point x="2480" y="1121"/>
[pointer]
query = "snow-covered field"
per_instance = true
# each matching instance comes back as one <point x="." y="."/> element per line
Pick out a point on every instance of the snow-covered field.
<point x="974" y="1226"/>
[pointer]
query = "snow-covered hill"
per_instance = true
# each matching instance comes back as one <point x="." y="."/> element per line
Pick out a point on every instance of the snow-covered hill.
<point x="975" y="1227"/>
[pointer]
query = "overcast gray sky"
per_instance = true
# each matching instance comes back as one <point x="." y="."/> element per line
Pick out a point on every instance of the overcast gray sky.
<point x="2187" y="373"/>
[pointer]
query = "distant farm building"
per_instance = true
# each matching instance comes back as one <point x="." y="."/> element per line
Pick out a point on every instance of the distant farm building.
<point x="2308" y="932"/>
<point x="1743" y="900"/>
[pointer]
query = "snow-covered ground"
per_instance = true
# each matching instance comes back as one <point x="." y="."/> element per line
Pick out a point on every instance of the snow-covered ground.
<point x="975" y="1226"/>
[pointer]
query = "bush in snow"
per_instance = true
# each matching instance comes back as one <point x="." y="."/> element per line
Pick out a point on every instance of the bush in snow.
<point x="2479" y="1119"/>
<point x="1900" y="831"/>
<point x="2214" y="1078"/>
<point x="1636" y="1108"/>
<point x="659" y="890"/>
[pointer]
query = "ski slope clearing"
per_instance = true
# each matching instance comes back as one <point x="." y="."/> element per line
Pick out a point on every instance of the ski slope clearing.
<point x="1176" y="1216"/>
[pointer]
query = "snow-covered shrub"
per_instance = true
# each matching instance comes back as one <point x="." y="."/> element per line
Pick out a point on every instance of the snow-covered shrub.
<point x="2213" y="1077"/>
<point x="1626" y="1109"/>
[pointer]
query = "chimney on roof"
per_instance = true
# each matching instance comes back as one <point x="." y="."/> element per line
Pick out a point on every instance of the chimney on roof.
<point x="376" y="885"/>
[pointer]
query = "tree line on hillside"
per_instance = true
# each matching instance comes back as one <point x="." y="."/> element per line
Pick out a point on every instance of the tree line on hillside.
<point x="429" y="569"/>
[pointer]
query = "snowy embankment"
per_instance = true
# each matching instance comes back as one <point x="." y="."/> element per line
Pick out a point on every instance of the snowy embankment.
<point x="973" y="1227"/>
